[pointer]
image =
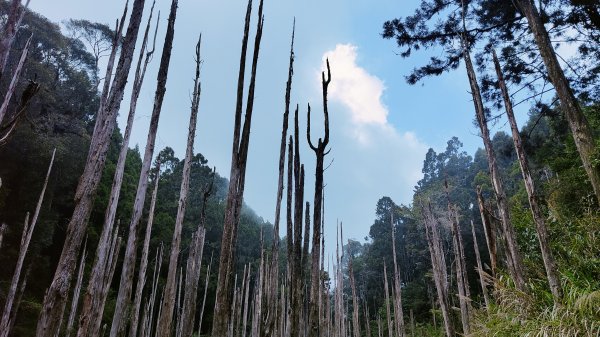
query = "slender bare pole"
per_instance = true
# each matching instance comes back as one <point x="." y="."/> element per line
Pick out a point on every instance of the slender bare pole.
<point x="76" y="292"/>
<point x="28" y="228"/>
<point x="399" y="319"/>
<point x="489" y="230"/>
<point x="480" y="268"/>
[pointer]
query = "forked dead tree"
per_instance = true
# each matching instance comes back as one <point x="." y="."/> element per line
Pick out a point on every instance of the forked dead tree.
<point x="320" y="152"/>
<point x="56" y="295"/>
<point x="239" y="155"/>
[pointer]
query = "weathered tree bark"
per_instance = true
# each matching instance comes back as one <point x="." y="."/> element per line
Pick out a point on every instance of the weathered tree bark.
<point x="9" y="32"/>
<point x="28" y="228"/>
<point x="164" y="321"/>
<point x="204" y="297"/>
<point x="355" y="305"/>
<point x="536" y="212"/>
<point x="399" y="319"/>
<point x="489" y="231"/>
<point x="320" y="152"/>
<point x="514" y="259"/>
<point x="580" y="128"/>
<point x="141" y="279"/>
<point x="17" y="303"/>
<point x="146" y="330"/>
<point x="93" y="303"/>
<point x="56" y="295"/>
<point x="76" y="293"/>
<point x="438" y="266"/>
<point x="484" y="290"/>
<point x="125" y="284"/>
<point x="236" y="178"/>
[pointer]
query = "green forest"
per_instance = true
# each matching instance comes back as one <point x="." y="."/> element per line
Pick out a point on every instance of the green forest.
<point x="99" y="237"/>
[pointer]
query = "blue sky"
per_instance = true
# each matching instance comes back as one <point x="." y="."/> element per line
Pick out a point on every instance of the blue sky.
<point x="381" y="127"/>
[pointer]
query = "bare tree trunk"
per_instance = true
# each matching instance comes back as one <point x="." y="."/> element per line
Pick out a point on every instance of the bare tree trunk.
<point x="237" y="178"/>
<point x="135" y="311"/>
<point x="514" y="259"/>
<point x="9" y="32"/>
<point x="28" y="229"/>
<point x="164" y="321"/>
<point x="536" y="212"/>
<point x="480" y="268"/>
<point x="489" y="230"/>
<point x="388" y="311"/>
<point x="580" y="128"/>
<point x="76" y="292"/>
<point x="367" y="320"/>
<point x="439" y="267"/>
<point x="355" y="306"/>
<point x="399" y="319"/>
<point x="149" y="312"/>
<point x="17" y="304"/>
<point x="56" y="296"/>
<point x="93" y="302"/>
<point x="3" y="227"/>
<point x="125" y="284"/>
<point x="320" y="152"/>
<point x="204" y="297"/>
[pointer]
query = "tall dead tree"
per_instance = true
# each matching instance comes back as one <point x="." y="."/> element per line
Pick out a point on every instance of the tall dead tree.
<point x="93" y="302"/>
<point x="273" y="302"/>
<point x="125" y="284"/>
<point x="438" y="265"/>
<point x="580" y="127"/>
<point x="56" y="295"/>
<point x="320" y="152"/>
<point x="141" y="279"/>
<point x="388" y="312"/>
<point x="355" y="305"/>
<point x="28" y="228"/>
<point x="514" y="259"/>
<point x="399" y="319"/>
<point x="164" y="321"/>
<point x="536" y="212"/>
<point x="10" y="92"/>
<point x="237" y="177"/>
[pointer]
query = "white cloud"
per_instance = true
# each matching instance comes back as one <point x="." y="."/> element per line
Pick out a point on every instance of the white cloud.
<point x="372" y="157"/>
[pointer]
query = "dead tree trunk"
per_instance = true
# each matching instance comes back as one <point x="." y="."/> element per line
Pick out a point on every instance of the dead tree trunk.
<point x="193" y="267"/>
<point x="536" y="212"/>
<point x="398" y="290"/>
<point x="273" y="302"/>
<point x="17" y="303"/>
<point x="439" y="267"/>
<point x="488" y="229"/>
<point x="320" y="152"/>
<point x="237" y="178"/>
<point x="164" y="321"/>
<point x="480" y="268"/>
<point x="135" y="311"/>
<point x="146" y="330"/>
<point x="3" y="227"/>
<point x="125" y="284"/>
<point x="9" y="32"/>
<point x="355" y="308"/>
<point x="11" y="90"/>
<point x="580" y="128"/>
<point x="388" y="312"/>
<point x="204" y="297"/>
<point x="76" y="292"/>
<point x="28" y="228"/>
<point x="93" y="302"/>
<point x="514" y="259"/>
<point x="56" y="295"/>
